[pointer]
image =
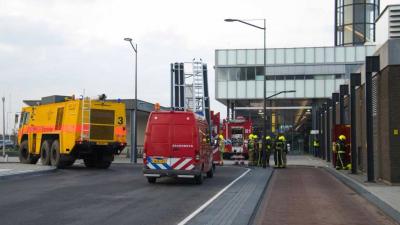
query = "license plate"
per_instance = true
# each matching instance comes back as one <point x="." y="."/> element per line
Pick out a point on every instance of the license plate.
<point x="159" y="161"/>
<point x="102" y="143"/>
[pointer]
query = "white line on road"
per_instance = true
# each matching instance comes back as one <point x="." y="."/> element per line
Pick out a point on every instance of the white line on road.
<point x="187" y="219"/>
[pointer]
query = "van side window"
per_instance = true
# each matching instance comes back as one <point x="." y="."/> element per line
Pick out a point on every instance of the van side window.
<point x="24" y="118"/>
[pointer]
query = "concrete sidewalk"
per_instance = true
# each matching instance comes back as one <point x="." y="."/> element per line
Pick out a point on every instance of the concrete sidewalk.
<point x="384" y="196"/>
<point x="13" y="168"/>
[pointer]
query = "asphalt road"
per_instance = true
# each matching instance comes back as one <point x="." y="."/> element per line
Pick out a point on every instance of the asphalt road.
<point x="119" y="195"/>
<point x="308" y="196"/>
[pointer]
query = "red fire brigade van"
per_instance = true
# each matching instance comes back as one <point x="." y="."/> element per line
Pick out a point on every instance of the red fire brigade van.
<point x="177" y="144"/>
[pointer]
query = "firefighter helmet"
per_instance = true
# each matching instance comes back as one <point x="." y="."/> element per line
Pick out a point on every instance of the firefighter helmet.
<point x="221" y="136"/>
<point x="255" y="136"/>
<point x="282" y="138"/>
<point x="268" y="137"/>
<point x="342" y="137"/>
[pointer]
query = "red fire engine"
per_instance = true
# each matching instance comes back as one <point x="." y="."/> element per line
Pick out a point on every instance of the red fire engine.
<point x="236" y="132"/>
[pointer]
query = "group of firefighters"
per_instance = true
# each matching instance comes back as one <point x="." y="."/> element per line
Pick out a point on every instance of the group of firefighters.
<point x="276" y="146"/>
<point x="279" y="148"/>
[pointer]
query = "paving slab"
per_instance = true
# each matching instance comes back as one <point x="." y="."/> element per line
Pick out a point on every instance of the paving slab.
<point x="386" y="197"/>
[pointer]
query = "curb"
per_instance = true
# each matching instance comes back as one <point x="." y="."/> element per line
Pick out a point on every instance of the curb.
<point x="26" y="174"/>
<point x="386" y="208"/>
<point x="258" y="204"/>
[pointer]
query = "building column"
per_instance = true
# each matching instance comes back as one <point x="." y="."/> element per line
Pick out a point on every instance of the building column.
<point x="355" y="80"/>
<point x="371" y="66"/>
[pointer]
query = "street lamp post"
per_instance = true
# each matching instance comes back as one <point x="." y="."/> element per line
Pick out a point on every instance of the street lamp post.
<point x="264" y="28"/>
<point x="4" y="128"/>
<point x="134" y="139"/>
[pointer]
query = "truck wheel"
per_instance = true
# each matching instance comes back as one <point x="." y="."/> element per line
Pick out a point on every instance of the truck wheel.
<point x="45" y="153"/>
<point x="55" y="155"/>
<point x="89" y="162"/>
<point x="151" y="180"/>
<point x="24" y="155"/>
<point x="199" y="179"/>
<point x="210" y="173"/>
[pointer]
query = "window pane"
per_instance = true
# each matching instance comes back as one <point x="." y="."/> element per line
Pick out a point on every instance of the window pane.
<point x="360" y="53"/>
<point x="319" y="55"/>
<point x="289" y="53"/>
<point x="222" y="74"/>
<point x="359" y="33"/>
<point x="289" y="87"/>
<point x="329" y="87"/>
<point x="348" y="14"/>
<point x="299" y="88"/>
<point x="280" y="56"/>
<point x="251" y="73"/>
<point x="231" y="89"/>
<point x="369" y="32"/>
<point x="329" y="55"/>
<point x="233" y="73"/>
<point x="251" y="89"/>
<point x="350" y="54"/>
<point x="242" y="73"/>
<point x="348" y="34"/>
<point x="270" y="87"/>
<point x="251" y="56"/>
<point x="241" y="89"/>
<point x="221" y="54"/>
<point x="309" y="55"/>
<point x="339" y="54"/>
<point x="299" y="55"/>
<point x="309" y="88"/>
<point x="270" y="56"/>
<point x="280" y="85"/>
<point x="241" y="56"/>
<point x="260" y="56"/>
<point x="320" y="91"/>
<point x="260" y="73"/>
<point x="231" y="57"/>
<point x="359" y="16"/>
<point x="222" y="89"/>
<point x="369" y="14"/>
<point x="259" y="89"/>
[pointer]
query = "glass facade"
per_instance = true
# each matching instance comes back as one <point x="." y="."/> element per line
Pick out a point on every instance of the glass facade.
<point x="355" y="21"/>
<point x="312" y="72"/>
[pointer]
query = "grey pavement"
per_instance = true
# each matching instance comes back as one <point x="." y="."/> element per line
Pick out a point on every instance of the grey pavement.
<point x="12" y="168"/>
<point x="384" y="196"/>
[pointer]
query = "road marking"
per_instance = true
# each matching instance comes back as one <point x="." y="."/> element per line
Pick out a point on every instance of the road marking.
<point x="197" y="211"/>
<point x="4" y="170"/>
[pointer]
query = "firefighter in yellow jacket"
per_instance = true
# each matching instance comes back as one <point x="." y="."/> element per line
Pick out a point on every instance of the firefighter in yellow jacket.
<point x="250" y="147"/>
<point x="280" y="148"/>
<point x="221" y="144"/>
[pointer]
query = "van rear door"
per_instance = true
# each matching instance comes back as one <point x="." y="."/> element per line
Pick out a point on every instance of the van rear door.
<point x="158" y="145"/>
<point x="183" y="144"/>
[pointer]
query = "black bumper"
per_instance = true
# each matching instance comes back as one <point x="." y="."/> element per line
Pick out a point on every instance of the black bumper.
<point x="170" y="173"/>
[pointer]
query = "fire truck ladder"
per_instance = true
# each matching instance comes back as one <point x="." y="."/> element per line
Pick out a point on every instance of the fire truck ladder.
<point x="85" y="126"/>
<point x="194" y="90"/>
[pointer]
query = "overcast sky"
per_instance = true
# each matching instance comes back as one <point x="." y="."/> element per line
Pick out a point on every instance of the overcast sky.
<point x="50" y="47"/>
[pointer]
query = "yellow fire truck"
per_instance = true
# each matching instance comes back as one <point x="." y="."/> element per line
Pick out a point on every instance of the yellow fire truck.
<point x="61" y="129"/>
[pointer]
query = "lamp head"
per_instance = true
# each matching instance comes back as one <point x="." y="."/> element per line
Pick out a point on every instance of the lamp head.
<point x="128" y="39"/>
<point x="229" y="20"/>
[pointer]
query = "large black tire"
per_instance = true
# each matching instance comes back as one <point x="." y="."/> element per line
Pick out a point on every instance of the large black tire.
<point x="89" y="162"/>
<point x="210" y="173"/>
<point x="151" y="180"/>
<point x="55" y="156"/>
<point x="199" y="179"/>
<point x="24" y="155"/>
<point x="45" y="153"/>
